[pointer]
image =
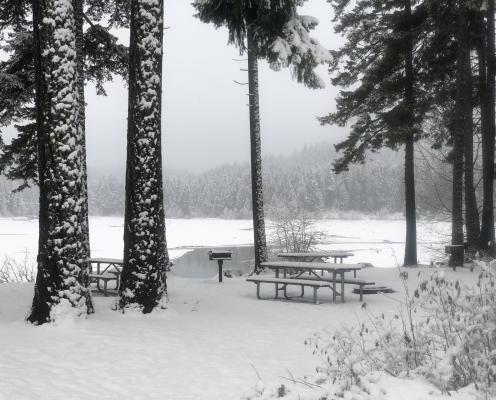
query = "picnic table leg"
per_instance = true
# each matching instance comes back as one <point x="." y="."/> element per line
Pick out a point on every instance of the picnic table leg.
<point x="361" y="292"/>
<point x="302" y="291"/>
<point x="315" y="295"/>
<point x="334" y="286"/>
<point x="258" y="290"/>
<point x="277" y="290"/>
<point x="98" y="272"/>
<point x="354" y="273"/>
<point x="342" y="287"/>
<point x="285" y="291"/>
<point x="105" y="287"/>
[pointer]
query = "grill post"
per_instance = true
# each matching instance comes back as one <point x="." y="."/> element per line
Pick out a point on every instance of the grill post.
<point x="220" y="256"/>
<point x="220" y="262"/>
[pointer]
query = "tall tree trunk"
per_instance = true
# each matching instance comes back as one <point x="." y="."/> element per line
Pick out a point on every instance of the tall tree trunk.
<point x="471" y="212"/>
<point x="66" y="274"/>
<point x="40" y="309"/>
<point x="79" y="20"/>
<point x="460" y="124"/>
<point x="145" y="249"/>
<point x="410" y="209"/>
<point x="488" y="104"/>
<point x="256" y="156"/>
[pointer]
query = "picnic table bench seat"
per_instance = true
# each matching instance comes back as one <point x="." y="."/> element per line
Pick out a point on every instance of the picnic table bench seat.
<point x="351" y="281"/>
<point x="316" y="284"/>
<point x="105" y="278"/>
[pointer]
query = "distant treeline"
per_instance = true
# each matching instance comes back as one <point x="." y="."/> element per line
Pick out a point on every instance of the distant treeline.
<point x="303" y="180"/>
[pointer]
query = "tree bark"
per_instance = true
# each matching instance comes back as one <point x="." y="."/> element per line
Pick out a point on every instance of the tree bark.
<point x="410" y="208"/>
<point x="462" y="103"/>
<point x="471" y="212"/>
<point x="260" y="243"/>
<point x="40" y="310"/>
<point x="488" y="104"/>
<point x="64" y="269"/>
<point x="143" y="280"/>
<point x="80" y="59"/>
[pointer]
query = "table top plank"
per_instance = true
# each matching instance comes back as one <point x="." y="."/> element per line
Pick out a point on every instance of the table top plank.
<point x="324" y="254"/>
<point x="311" y="265"/>
<point x="103" y="260"/>
<point x="289" y="281"/>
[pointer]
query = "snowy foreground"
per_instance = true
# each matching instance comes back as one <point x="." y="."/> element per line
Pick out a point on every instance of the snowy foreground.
<point x="214" y="341"/>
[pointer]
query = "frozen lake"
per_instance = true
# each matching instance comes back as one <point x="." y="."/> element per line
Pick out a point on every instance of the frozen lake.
<point x="374" y="241"/>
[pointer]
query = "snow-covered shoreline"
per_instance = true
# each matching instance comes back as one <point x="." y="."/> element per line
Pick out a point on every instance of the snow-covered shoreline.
<point x="374" y="241"/>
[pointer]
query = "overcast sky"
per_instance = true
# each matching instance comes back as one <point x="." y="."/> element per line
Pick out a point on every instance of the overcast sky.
<point x="205" y="114"/>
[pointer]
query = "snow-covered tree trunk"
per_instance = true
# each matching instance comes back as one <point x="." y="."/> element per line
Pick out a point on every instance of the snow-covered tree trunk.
<point x="65" y="272"/>
<point x="260" y="243"/>
<point x="145" y="249"/>
<point x="79" y="20"/>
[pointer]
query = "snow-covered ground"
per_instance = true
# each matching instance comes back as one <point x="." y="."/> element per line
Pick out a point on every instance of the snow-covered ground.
<point x="214" y="341"/>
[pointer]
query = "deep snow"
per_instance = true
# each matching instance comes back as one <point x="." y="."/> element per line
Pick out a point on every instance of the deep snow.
<point x="211" y="342"/>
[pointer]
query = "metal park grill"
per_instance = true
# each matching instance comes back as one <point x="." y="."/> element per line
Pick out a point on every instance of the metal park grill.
<point x="220" y="256"/>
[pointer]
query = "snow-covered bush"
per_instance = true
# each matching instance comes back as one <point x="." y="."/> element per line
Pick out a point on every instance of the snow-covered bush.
<point x="461" y="325"/>
<point x="445" y="332"/>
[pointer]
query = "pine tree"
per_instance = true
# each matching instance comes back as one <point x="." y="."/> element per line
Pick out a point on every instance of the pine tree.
<point x="487" y="73"/>
<point x="461" y="124"/>
<point x="409" y="100"/>
<point x="270" y="30"/>
<point x="453" y="85"/>
<point x="26" y="157"/>
<point x="388" y="104"/>
<point x="257" y="203"/>
<point x="145" y="249"/>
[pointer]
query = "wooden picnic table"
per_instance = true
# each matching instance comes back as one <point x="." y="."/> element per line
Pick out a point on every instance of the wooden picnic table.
<point x="318" y="255"/>
<point x="111" y="271"/>
<point x="298" y="269"/>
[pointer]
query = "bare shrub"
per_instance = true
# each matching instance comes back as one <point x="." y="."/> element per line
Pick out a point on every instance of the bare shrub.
<point x="293" y="232"/>
<point x="14" y="271"/>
